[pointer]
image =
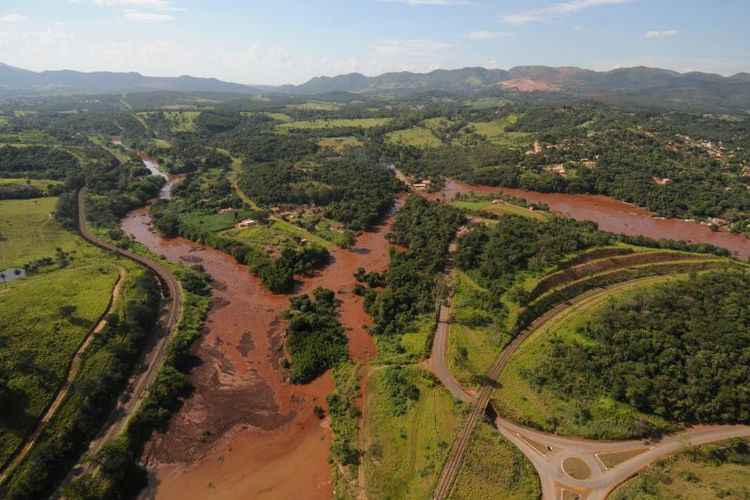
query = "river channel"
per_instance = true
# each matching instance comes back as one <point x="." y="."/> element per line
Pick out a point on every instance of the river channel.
<point x="246" y="432"/>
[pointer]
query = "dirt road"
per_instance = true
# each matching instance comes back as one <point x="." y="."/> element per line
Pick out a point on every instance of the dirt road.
<point x="74" y="369"/>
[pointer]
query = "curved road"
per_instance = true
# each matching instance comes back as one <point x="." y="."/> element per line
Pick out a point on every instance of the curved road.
<point x="547" y="451"/>
<point x="155" y="357"/>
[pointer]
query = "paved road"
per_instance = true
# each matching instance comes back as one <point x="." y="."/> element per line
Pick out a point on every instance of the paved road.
<point x="437" y="364"/>
<point x="546" y="451"/>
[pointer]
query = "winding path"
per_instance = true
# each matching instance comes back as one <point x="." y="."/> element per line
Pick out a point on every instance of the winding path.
<point x="549" y="452"/>
<point x="158" y="352"/>
<point x="74" y="368"/>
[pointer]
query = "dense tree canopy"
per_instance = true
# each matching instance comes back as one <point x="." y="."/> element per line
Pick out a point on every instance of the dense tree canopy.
<point x="356" y="189"/>
<point x="36" y="162"/>
<point x="315" y="338"/>
<point x="520" y="243"/>
<point x="680" y="351"/>
<point x="426" y="229"/>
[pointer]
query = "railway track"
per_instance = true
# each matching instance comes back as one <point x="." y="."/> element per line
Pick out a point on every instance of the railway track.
<point x="453" y="464"/>
<point x="173" y="291"/>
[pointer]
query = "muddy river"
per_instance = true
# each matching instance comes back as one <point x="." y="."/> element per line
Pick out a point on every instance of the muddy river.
<point x="617" y="217"/>
<point x="246" y="432"/>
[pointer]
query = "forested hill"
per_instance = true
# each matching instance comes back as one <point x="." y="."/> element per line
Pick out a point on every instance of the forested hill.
<point x="638" y="86"/>
<point x="14" y="81"/>
<point x="635" y="86"/>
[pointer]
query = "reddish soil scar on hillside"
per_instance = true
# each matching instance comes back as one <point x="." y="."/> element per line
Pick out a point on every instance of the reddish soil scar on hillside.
<point x="526" y="85"/>
<point x="245" y="432"/>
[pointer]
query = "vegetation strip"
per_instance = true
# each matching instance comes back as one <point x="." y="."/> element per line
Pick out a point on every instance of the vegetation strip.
<point x="174" y="314"/>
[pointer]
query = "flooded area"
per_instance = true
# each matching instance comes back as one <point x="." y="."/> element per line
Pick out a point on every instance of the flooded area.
<point x="617" y="217"/>
<point x="12" y="274"/>
<point x="245" y="427"/>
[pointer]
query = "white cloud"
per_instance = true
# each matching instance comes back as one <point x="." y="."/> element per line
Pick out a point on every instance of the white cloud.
<point x="410" y="48"/>
<point x="148" y="4"/>
<point x="148" y="17"/>
<point x="429" y="2"/>
<point x="652" y="35"/>
<point x="557" y="9"/>
<point x="138" y="5"/>
<point x="486" y="35"/>
<point x="12" y="18"/>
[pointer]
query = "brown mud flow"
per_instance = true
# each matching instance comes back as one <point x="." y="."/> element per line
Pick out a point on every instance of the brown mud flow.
<point x="615" y="216"/>
<point x="246" y="432"/>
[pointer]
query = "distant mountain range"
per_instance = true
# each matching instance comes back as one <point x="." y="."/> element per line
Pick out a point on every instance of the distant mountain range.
<point x="22" y="81"/>
<point x="638" y="85"/>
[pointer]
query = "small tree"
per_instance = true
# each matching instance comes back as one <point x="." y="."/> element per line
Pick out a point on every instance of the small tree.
<point x="67" y="311"/>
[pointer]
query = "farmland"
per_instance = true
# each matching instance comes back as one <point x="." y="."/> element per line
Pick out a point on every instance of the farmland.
<point x="363" y="123"/>
<point x="418" y="136"/>
<point x="338" y="144"/>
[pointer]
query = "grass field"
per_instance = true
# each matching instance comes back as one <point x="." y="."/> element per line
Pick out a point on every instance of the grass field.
<point x="27" y="137"/>
<point x="416" y="136"/>
<point x="437" y="123"/>
<point x="410" y="346"/>
<point x="277" y="235"/>
<point x="404" y="454"/>
<point x="38" y="342"/>
<point x="333" y="123"/>
<point x="279" y="117"/>
<point x="295" y="231"/>
<point x="182" y="121"/>
<point x="499" y="208"/>
<point x="338" y="144"/>
<point x="315" y="106"/>
<point x="161" y="144"/>
<point x="117" y="151"/>
<point x="37" y="339"/>
<point x="213" y="222"/>
<point x="517" y="399"/>
<point x="688" y="476"/>
<point x="30" y="232"/>
<point x="37" y="183"/>
<point x="474" y="339"/>
<point x="487" y="102"/>
<point x="325" y="234"/>
<point x="495" y="133"/>
<point x="494" y="468"/>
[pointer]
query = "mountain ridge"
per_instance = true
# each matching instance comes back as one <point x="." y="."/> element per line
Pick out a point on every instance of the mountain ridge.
<point x="642" y="84"/>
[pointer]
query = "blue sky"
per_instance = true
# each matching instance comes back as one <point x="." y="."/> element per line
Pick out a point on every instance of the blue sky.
<point x="289" y="41"/>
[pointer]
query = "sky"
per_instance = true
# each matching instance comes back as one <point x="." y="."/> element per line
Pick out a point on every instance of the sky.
<point x="290" y="41"/>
